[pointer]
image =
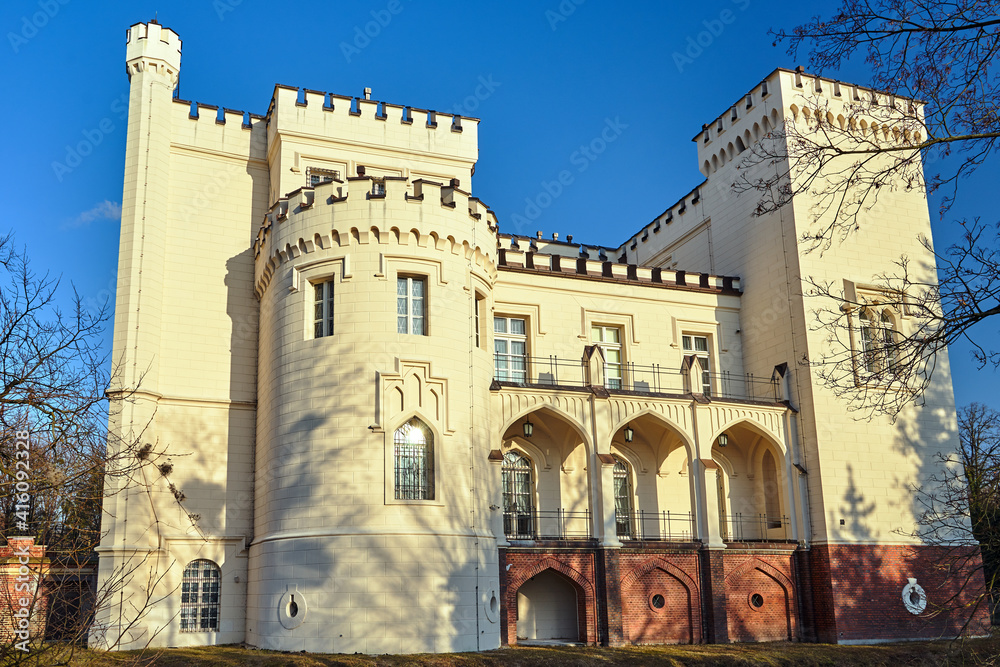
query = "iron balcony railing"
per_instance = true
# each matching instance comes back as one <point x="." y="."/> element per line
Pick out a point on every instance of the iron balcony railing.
<point x="557" y="524"/>
<point x="648" y="379"/>
<point x="551" y="370"/>
<point x="655" y="526"/>
<point x="755" y="528"/>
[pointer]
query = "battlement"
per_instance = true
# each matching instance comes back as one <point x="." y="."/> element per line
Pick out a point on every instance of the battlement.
<point x="581" y="267"/>
<point x="663" y="220"/>
<point x="375" y="124"/>
<point x="781" y="95"/>
<point x="150" y="46"/>
<point x="423" y="214"/>
<point x="554" y="246"/>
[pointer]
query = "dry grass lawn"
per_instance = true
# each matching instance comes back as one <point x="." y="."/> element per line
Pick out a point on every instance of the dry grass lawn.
<point x="968" y="652"/>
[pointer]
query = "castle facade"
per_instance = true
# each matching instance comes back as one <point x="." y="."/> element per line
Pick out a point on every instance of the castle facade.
<point x="390" y="427"/>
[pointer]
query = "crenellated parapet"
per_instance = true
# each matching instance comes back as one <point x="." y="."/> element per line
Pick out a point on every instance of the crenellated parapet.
<point x="350" y="131"/>
<point x="366" y="212"/>
<point x="793" y="94"/>
<point x="594" y="269"/>
<point x="152" y="48"/>
<point x="210" y="127"/>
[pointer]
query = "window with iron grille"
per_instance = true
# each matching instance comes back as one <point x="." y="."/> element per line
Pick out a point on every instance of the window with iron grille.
<point x="411" y="302"/>
<point x="698" y="345"/>
<point x="323" y="309"/>
<point x="510" y="347"/>
<point x="623" y="499"/>
<point x="200" y="589"/>
<point x="518" y="497"/>
<point x="413" y="461"/>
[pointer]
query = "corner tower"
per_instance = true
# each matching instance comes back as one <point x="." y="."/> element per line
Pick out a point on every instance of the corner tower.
<point x="184" y="359"/>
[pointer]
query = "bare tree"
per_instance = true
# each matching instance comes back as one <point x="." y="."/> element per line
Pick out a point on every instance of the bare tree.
<point x="979" y="431"/>
<point x="935" y="92"/>
<point x="54" y="457"/>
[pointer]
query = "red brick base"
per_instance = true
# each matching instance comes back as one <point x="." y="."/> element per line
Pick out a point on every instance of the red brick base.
<point x="858" y="592"/>
<point x="750" y="592"/>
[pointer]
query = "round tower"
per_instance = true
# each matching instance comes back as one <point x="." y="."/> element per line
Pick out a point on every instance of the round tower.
<point x="153" y="59"/>
<point x="372" y="517"/>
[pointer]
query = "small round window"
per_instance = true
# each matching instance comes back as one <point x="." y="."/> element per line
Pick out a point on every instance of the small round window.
<point x="657" y="601"/>
<point x="757" y="600"/>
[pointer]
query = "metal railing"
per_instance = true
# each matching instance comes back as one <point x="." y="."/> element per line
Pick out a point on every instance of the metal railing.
<point x="744" y="387"/>
<point x="754" y="528"/>
<point x="631" y="377"/>
<point x="549" y="370"/>
<point x="655" y="526"/>
<point x="557" y="524"/>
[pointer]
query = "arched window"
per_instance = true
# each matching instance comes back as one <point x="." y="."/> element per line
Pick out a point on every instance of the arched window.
<point x="772" y="506"/>
<point x="518" y="497"/>
<point x="413" y="458"/>
<point x="869" y="345"/>
<point x="624" y="524"/>
<point x="200" y="589"/>
<point x="888" y="338"/>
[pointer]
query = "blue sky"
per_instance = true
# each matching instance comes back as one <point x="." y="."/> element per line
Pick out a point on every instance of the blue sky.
<point x="545" y="77"/>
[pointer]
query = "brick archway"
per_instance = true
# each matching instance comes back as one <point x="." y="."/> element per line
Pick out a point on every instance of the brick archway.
<point x="677" y="621"/>
<point x="587" y="600"/>
<point x="775" y="618"/>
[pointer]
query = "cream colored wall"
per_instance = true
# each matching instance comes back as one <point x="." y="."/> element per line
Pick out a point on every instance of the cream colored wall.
<point x="185" y="330"/>
<point x="861" y="471"/>
<point x="380" y="575"/>
<point x="302" y="136"/>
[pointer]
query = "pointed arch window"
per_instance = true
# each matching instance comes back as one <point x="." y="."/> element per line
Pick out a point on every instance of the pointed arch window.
<point x="200" y="592"/>
<point x="413" y="458"/>
<point x="772" y="504"/>
<point x="869" y="346"/>
<point x="518" y="497"/>
<point x="624" y="523"/>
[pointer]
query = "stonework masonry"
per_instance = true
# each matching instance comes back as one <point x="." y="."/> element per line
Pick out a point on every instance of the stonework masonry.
<point x="397" y="429"/>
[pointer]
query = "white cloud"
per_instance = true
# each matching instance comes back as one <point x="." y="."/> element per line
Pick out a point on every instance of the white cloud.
<point x="106" y="210"/>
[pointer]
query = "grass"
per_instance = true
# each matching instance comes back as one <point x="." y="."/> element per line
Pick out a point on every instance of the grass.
<point x="915" y="654"/>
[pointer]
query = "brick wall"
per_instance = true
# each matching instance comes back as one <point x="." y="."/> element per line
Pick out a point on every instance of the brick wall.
<point x="858" y="592"/>
<point x="578" y="566"/>
<point x="760" y="597"/>
<point x="674" y="576"/>
<point x="18" y="553"/>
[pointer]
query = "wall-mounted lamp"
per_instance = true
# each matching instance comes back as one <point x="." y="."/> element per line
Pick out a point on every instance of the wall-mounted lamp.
<point x="529" y="428"/>
<point x="629" y="433"/>
<point x="723" y="440"/>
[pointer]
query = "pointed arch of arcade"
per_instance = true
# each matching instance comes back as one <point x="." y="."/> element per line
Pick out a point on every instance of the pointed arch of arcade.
<point x="757" y="428"/>
<point x="558" y="413"/>
<point x="587" y="620"/>
<point x="685" y="439"/>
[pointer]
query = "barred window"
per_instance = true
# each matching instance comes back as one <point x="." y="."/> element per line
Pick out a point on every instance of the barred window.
<point x="623" y="499"/>
<point x="200" y="590"/>
<point x="518" y="497"/>
<point x="413" y="458"/>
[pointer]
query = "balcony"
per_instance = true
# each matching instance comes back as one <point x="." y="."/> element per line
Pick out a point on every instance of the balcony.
<point x="557" y="524"/>
<point x="644" y="526"/>
<point x="554" y="372"/>
<point x="755" y="528"/>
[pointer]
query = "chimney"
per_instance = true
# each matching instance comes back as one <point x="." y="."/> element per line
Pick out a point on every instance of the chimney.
<point x="368" y="93"/>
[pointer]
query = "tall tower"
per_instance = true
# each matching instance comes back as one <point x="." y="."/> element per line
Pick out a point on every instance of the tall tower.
<point x="153" y="60"/>
<point x="185" y="358"/>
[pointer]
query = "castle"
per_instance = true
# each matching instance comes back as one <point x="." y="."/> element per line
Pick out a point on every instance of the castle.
<point x="390" y="427"/>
